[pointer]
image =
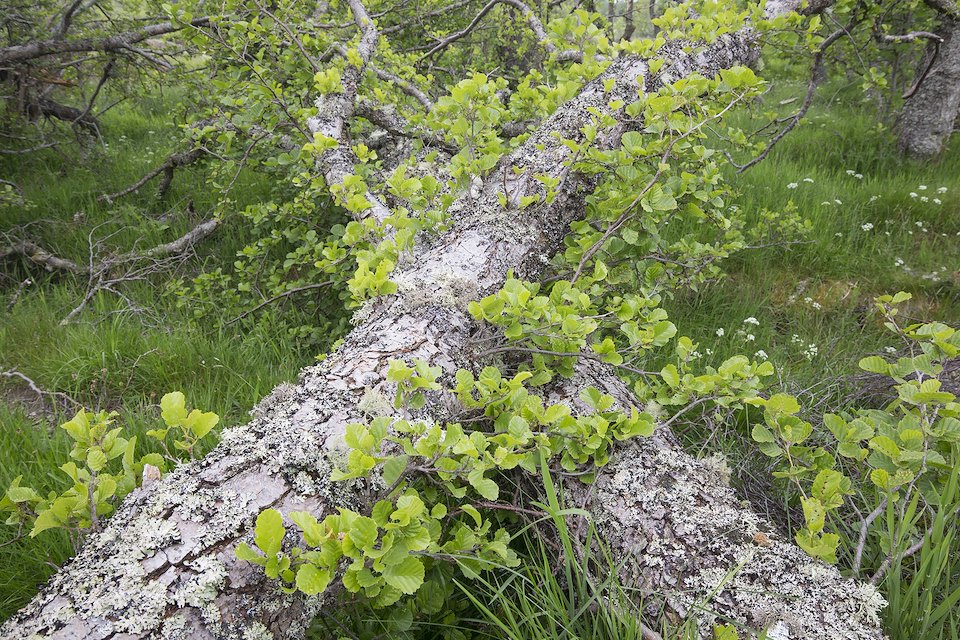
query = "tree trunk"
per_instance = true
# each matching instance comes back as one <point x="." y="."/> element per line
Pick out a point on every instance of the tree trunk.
<point x="928" y="116"/>
<point x="164" y="566"/>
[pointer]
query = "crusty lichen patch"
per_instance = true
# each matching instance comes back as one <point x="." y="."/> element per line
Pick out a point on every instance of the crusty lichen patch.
<point x="689" y="539"/>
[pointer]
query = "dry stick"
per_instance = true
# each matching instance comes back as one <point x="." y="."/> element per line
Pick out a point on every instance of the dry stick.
<point x="40" y="256"/>
<point x="16" y="294"/>
<point x="174" y="161"/>
<point x="911" y="550"/>
<point x="17" y="152"/>
<point x="285" y="294"/>
<point x="13" y="373"/>
<point x="96" y="92"/>
<point x="862" y="540"/>
<point x="185" y="241"/>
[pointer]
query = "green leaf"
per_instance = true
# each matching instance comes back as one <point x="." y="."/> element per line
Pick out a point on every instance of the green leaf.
<point x="269" y="531"/>
<point x="173" y="408"/>
<point x="875" y="364"/>
<point x="79" y="427"/>
<point x="246" y="552"/>
<point x="200" y="423"/>
<point x="393" y="468"/>
<point x="484" y="486"/>
<point x="363" y="532"/>
<point x="471" y="511"/>
<point x="96" y="459"/>
<point x="311" y="580"/>
<point x="407" y="576"/>
<point x="670" y="376"/>
<point x="761" y="434"/>
<point x="782" y="403"/>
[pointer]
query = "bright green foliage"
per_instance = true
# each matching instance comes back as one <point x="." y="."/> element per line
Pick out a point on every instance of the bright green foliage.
<point x="387" y="555"/>
<point x="905" y="452"/>
<point x="189" y="428"/>
<point x="108" y="469"/>
<point x="98" y="482"/>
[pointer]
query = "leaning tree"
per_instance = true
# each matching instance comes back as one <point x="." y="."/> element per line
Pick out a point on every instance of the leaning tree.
<point x="507" y="241"/>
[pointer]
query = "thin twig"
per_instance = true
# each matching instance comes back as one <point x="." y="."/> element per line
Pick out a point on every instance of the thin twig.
<point x="279" y="296"/>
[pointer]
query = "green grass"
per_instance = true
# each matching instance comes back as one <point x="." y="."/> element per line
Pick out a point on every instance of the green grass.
<point x="841" y="267"/>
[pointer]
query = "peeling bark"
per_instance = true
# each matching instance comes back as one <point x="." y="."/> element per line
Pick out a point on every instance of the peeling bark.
<point x="928" y="116"/>
<point x="164" y="566"/>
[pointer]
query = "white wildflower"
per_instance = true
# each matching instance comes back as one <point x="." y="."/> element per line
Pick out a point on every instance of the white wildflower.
<point x="867" y="226"/>
<point x="753" y="321"/>
<point x="761" y="354"/>
<point x="720" y="332"/>
<point x="922" y="187"/>
<point x="792" y="185"/>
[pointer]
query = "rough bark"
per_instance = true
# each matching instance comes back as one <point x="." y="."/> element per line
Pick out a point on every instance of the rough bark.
<point x="927" y="118"/>
<point x="684" y="538"/>
<point x="165" y="567"/>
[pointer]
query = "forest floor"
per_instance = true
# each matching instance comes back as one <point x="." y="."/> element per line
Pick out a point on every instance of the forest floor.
<point x="880" y="225"/>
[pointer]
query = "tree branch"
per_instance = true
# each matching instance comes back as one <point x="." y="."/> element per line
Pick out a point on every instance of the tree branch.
<point x="115" y="43"/>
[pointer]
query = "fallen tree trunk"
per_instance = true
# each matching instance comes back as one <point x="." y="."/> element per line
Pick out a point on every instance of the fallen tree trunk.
<point x="164" y="566"/>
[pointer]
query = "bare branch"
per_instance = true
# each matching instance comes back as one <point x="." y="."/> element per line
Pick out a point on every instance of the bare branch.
<point x="817" y="73"/>
<point x="280" y="296"/>
<point x="570" y="55"/>
<point x="40" y="256"/>
<point x="42" y="393"/>
<point x="116" y="43"/>
<point x="173" y="162"/>
<point x="184" y="242"/>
